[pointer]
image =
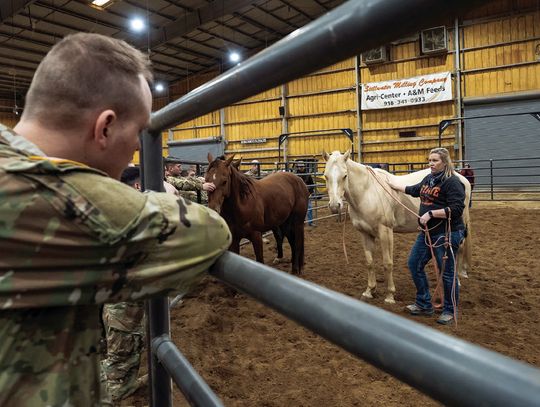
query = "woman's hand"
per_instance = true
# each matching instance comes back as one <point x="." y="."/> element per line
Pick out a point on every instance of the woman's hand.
<point x="394" y="185"/>
<point x="424" y="219"/>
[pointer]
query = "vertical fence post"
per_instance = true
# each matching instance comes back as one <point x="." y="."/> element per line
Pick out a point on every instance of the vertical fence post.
<point x="157" y="310"/>
<point x="491" y="177"/>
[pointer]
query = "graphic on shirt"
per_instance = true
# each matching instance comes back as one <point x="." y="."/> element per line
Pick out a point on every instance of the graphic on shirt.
<point x="428" y="194"/>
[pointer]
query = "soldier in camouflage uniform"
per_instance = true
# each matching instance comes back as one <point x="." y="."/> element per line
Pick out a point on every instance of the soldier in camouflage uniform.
<point x="187" y="186"/>
<point x="124" y="331"/>
<point x="71" y="236"/>
<point x="125" y="339"/>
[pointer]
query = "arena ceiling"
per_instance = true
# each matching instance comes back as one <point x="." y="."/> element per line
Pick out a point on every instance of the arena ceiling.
<point x="183" y="37"/>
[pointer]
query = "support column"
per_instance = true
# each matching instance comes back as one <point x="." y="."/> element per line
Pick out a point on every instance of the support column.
<point x="284" y="119"/>
<point x="157" y="309"/>
<point x="458" y="108"/>
<point x="222" y="123"/>
<point x="358" y="89"/>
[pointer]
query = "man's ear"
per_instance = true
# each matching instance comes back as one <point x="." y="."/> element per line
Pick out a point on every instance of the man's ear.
<point x="102" y="129"/>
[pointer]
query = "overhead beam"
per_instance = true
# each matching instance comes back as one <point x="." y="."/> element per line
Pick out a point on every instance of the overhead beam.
<point x="9" y="9"/>
<point x="191" y="21"/>
<point x="298" y="10"/>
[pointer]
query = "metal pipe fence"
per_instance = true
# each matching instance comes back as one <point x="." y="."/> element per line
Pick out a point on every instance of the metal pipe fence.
<point x="411" y="352"/>
<point x="192" y="385"/>
<point x="446" y="368"/>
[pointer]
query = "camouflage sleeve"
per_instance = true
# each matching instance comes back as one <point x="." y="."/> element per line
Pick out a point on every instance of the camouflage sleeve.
<point x="76" y="237"/>
<point x="185" y="183"/>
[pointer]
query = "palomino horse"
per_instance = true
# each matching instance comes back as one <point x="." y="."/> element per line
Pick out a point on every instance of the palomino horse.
<point x="376" y="215"/>
<point x="278" y="202"/>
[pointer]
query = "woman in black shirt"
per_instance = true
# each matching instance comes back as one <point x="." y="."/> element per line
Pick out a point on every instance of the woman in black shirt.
<point x="442" y="197"/>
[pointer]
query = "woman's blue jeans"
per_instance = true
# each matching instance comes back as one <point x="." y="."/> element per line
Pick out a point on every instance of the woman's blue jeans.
<point x="420" y="256"/>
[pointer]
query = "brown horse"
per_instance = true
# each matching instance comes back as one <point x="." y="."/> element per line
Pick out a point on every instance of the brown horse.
<point x="278" y="202"/>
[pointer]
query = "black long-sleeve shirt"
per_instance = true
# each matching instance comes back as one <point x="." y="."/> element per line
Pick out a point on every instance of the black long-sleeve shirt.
<point x="447" y="194"/>
<point x="308" y="180"/>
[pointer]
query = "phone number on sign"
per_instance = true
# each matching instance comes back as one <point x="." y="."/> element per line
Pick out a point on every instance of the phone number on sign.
<point x="418" y="99"/>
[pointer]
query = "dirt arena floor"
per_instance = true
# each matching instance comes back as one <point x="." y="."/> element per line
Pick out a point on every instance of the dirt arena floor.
<point x="252" y="356"/>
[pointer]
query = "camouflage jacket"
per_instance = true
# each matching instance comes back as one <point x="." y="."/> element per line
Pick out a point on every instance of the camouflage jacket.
<point x="188" y="187"/>
<point x="72" y="238"/>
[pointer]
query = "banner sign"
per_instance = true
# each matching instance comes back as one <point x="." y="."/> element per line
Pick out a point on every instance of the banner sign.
<point x="407" y="92"/>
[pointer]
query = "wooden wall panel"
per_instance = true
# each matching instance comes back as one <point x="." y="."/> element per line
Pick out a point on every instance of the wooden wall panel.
<point x="252" y="111"/>
<point x="253" y="130"/>
<point x="501" y="56"/>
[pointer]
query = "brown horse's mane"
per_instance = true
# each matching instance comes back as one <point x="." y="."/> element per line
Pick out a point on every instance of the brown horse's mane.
<point x="245" y="182"/>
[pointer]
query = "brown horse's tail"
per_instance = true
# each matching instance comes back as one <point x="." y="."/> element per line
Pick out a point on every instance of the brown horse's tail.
<point x="299" y="242"/>
<point x="297" y="226"/>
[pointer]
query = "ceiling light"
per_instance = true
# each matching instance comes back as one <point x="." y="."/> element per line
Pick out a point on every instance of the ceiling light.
<point x="137" y="24"/>
<point x="101" y="3"/>
<point x="234" y="56"/>
<point x="159" y="87"/>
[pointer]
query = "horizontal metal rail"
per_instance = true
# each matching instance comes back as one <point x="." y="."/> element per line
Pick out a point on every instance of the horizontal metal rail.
<point x="446" y="368"/>
<point x="192" y="386"/>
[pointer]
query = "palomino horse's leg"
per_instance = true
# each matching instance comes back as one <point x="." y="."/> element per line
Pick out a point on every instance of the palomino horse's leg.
<point x="369" y="243"/>
<point x="463" y="260"/>
<point x="386" y="236"/>
<point x="256" y="241"/>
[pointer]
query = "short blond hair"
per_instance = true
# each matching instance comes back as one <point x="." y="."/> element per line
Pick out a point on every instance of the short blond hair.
<point x="83" y="73"/>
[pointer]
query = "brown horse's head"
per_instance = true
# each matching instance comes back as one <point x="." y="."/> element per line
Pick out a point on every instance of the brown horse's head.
<point x="219" y="172"/>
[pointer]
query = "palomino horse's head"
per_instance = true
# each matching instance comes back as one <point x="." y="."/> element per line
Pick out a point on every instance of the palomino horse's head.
<point x="219" y="172"/>
<point x="335" y="173"/>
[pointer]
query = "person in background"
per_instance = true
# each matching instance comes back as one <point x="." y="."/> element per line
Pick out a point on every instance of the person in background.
<point x="300" y="170"/>
<point x="255" y="169"/>
<point x="468" y="173"/>
<point x="124" y="333"/>
<point x="442" y="197"/>
<point x="73" y="237"/>
<point x="186" y="186"/>
<point x="167" y="186"/>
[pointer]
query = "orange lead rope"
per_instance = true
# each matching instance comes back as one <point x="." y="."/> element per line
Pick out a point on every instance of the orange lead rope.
<point x="343" y="237"/>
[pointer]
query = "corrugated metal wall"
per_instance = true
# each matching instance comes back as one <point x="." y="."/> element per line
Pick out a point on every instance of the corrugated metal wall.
<point x="499" y="53"/>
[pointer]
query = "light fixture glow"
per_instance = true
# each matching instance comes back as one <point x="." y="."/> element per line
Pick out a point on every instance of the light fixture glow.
<point x="100" y="3"/>
<point x="159" y="87"/>
<point x="234" y="56"/>
<point x="137" y="24"/>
